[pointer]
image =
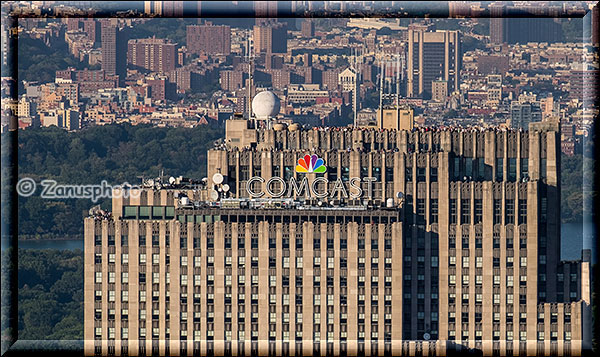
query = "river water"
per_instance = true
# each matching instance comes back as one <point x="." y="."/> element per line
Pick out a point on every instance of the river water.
<point x="575" y="236"/>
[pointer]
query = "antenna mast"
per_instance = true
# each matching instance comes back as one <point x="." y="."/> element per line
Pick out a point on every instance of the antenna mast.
<point x="250" y="58"/>
<point x="397" y="81"/>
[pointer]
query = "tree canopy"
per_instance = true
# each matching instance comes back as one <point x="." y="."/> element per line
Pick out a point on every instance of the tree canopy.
<point x="115" y="153"/>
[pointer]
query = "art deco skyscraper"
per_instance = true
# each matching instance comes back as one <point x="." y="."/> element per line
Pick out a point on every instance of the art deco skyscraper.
<point x="386" y="242"/>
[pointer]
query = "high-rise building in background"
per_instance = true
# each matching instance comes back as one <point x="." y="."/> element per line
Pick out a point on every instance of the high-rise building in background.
<point x="511" y="24"/>
<point x="92" y="28"/>
<point x="497" y="34"/>
<point x="522" y="114"/>
<point x="114" y="49"/>
<point x="380" y="242"/>
<point x="432" y="56"/>
<point x="156" y="55"/>
<point x="308" y="28"/>
<point x="208" y="39"/>
<point x="164" y="8"/>
<point x="173" y="8"/>
<point x="264" y="11"/>
<point x="270" y="38"/>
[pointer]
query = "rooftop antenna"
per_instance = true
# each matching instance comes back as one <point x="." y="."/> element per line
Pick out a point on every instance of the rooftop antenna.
<point x="250" y="59"/>
<point x="381" y="90"/>
<point x="397" y="81"/>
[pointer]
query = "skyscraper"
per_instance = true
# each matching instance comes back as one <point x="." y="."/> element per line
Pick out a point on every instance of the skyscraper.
<point x="497" y="35"/>
<point x="164" y="8"/>
<point x="431" y="56"/>
<point x="383" y="242"/>
<point x="505" y="27"/>
<point x="270" y="38"/>
<point x="114" y="49"/>
<point x="264" y="11"/>
<point x="209" y="39"/>
<point x="308" y="28"/>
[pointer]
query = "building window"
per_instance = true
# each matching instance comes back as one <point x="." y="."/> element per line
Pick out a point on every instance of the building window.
<point x="421" y="211"/>
<point x="453" y="211"/>
<point x="510" y="211"/>
<point x="522" y="211"/>
<point x="433" y="210"/>
<point x="465" y="207"/>
<point x="524" y="168"/>
<point x="389" y="174"/>
<point x="512" y="169"/>
<point x="478" y="211"/>
<point x="499" y="169"/>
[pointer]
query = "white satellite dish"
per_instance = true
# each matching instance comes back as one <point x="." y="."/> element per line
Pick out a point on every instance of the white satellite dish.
<point x="214" y="195"/>
<point x="226" y="187"/>
<point x="426" y="336"/>
<point x="217" y="178"/>
<point x="399" y="194"/>
<point x="171" y="180"/>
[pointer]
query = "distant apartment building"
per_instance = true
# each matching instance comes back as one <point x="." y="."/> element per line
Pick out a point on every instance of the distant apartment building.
<point x="270" y="38"/>
<point x="231" y="80"/>
<point x="92" y="29"/>
<point x="208" y="39"/>
<point x="185" y="78"/>
<point x="431" y="56"/>
<point x="152" y="54"/>
<point x="308" y="28"/>
<point x="439" y="91"/>
<point x="492" y="64"/>
<point x="114" y="49"/>
<point x="161" y="89"/>
<point x="164" y="8"/>
<point x="497" y="34"/>
<point x="522" y="114"/>
<point x="522" y="24"/>
<point x="280" y="78"/>
<point x="330" y="78"/>
<point x="62" y="118"/>
<point x="87" y="81"/>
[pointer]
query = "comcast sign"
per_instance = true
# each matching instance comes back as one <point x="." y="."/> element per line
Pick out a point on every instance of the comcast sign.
<point x="318" y="188"/>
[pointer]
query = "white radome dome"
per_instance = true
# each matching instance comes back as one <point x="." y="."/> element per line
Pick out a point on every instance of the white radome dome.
<point x="265" y="104"/>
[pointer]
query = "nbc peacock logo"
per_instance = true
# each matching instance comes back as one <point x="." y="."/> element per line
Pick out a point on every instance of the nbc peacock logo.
<point x="310" y="164"/>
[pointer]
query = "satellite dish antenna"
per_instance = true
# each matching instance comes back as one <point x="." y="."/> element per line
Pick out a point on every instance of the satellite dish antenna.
<point x="217" y="178"/>
<point x="214" y="195"/>
<point x="171" y="180"/>
<point x="226" y="187"/>
<point x="204" y="179"/>
<point x="426" y="336"/>
<point x="399" y="195"/>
